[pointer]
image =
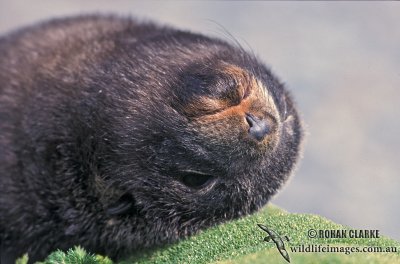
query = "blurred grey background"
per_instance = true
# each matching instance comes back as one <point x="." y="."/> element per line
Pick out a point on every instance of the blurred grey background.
<point x="341" y="60"/>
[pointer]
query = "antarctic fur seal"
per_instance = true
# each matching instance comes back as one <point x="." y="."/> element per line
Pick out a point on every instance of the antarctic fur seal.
<point x="119" y="135"/>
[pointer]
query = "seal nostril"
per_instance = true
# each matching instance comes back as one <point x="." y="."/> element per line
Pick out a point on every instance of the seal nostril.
<point x="250" y="120"/>
<point x="258" y="128"/>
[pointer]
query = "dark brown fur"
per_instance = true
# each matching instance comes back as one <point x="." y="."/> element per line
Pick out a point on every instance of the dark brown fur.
<point x="117" y="136"/>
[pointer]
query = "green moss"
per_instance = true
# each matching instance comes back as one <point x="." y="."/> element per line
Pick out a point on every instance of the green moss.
<point x="271" y="256"/>
<point x="75" y="256"/>
<point x="242" y="241"/>
<point x="22" y="260"/>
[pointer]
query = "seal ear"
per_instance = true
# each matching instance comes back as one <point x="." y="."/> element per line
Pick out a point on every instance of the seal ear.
<point x="125" y="205"/>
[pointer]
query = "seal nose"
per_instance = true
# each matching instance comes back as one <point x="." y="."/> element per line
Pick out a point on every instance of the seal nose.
<point x="259" y="128"/>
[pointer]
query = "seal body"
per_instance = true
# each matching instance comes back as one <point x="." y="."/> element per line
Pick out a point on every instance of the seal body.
<point x="118" y="135"/>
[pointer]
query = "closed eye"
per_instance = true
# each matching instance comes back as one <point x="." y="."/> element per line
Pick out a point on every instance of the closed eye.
<point x="246" y="92"/>
<point x="194" y="179"/>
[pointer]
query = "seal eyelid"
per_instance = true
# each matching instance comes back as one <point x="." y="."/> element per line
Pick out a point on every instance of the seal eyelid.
<point x="240" y="90"/>
<point x="195" y="179"/>
<point x="246" y="92"/>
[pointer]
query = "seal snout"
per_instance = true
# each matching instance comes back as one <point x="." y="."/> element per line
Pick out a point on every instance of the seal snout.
<point x="258" y="128"/>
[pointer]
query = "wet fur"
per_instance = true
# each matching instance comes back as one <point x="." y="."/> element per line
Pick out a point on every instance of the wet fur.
<point x="100" y="115"/>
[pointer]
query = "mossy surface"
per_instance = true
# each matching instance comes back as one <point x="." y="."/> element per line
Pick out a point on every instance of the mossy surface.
<point x="242" y="241"/>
